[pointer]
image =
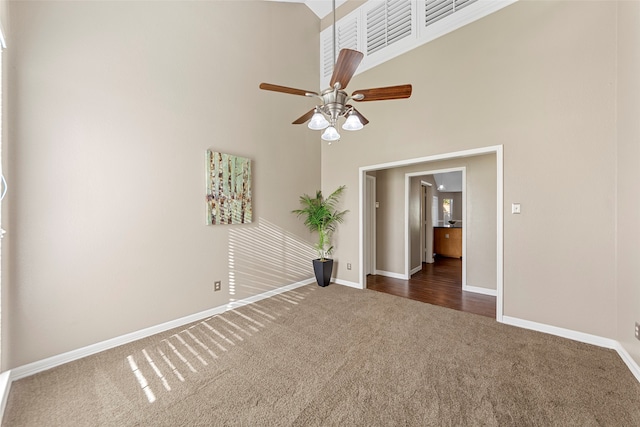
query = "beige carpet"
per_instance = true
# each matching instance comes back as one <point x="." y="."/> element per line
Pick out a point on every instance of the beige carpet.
<point x="336" y="356"/>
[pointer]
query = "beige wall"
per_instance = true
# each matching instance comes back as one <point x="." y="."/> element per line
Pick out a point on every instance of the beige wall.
<point x="481" y="221"/>
<point x="538" y="78"/>
<point x="481" y="217"/>
<point x="112" y="106"/>
<point x="628" y="177"/>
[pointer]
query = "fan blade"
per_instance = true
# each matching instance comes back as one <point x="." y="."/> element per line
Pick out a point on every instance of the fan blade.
<point x="303" y="118"/>
<point x="383" y="93"/>
<point x="346" y="66"/>
<point x="362" y="118"/>
<point x="285" y="89"/>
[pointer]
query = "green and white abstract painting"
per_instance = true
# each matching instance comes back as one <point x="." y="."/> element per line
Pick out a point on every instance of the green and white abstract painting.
<point x="228" y="189"/>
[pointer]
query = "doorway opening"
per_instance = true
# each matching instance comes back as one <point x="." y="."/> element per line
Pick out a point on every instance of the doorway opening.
<point x="416" y="202"/>
<point x="403" y="273"/>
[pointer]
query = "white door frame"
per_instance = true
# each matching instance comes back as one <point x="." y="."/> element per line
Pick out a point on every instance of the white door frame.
<point x="495" y="149"/>
<point x="370" y="239"/>
<point x="425" y="215"/>
<point x="407" y="234"/>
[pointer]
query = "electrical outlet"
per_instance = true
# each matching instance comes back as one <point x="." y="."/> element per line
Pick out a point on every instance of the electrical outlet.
<point x="638" y="330"/>
<point x="217" y="285"/>
<point x="349" y="266"/>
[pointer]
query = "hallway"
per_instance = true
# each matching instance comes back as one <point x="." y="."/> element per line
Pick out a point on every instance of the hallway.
<point x="440" y="284"/>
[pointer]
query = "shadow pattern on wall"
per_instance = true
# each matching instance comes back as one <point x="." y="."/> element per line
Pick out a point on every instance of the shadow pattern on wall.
<point x="265" y="258"/>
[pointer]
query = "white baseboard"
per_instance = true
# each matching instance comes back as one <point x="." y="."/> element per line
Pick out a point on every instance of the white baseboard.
<point x="256" y="298"/>
<point x="415" y="270"/>
<point x="390" y="274"/>
<point x="479" y="290"/>
<point x="561" y="332"/>
<point x="347" y="283"/>
<point x="628" y="360"/>
<point x="578" y="336"/>
<point x="52" y="362"/>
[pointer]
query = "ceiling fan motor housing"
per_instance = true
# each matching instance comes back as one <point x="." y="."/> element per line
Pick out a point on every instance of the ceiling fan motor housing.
<point x="334" y="103"/>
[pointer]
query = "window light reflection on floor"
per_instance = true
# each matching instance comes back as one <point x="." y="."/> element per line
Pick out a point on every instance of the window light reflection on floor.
<point x="191" y="349"/>
<point x="180" y="356"/>
<point x="175" y="370"/>
<point x="248" y="318"/>
<point x="151" y="363"/>
<point x="201" y="344"/>
<point x="215" y="331"/>
<point x="141" y="379"/>
<point x="201" y="341"/>
<point x="244" y="331"/>
<point x="220" y="346"/>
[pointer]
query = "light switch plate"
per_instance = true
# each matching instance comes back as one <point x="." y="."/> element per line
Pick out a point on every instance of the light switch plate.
<point x="515" y="208"/>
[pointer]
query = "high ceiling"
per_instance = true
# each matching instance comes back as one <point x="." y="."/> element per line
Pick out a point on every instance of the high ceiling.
<point x="320" y="7"/>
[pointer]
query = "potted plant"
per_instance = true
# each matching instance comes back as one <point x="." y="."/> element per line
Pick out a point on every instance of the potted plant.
<point x="321" y="216"/>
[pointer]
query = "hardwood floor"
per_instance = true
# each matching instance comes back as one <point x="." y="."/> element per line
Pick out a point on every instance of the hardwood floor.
<point x="440" y="284"/>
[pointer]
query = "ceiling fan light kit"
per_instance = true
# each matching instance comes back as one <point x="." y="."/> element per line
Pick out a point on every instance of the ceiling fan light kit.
<point x="318" y="122"/>
<point x="330" y="134"/>
<point x="352" y="122"/>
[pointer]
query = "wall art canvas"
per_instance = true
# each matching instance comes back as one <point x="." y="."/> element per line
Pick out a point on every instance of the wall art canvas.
<point x="228" y="189"/>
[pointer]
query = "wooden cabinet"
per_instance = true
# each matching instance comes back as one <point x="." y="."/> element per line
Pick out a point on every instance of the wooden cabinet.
<point x="447" y="241"/>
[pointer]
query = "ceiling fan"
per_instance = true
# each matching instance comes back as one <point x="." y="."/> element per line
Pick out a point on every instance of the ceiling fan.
<point x="334" y="101"/>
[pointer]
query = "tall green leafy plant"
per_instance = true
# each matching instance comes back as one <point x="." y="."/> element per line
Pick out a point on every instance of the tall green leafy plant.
<point x="322" y="216"/>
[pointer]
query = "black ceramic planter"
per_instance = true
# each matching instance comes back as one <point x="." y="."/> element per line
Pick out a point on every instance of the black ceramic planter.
<point x="323" y="270"/>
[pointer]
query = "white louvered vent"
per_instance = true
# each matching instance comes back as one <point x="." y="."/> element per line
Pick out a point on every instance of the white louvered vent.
<point x="462" y="3"/>
<point x="388" y="28"/>
<point x="327" y="56"/>
<point x="346" y="38"/>
<point x="435" y="10"/>
<point x="387" y="23"/>
<point x="347" y="34"/>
